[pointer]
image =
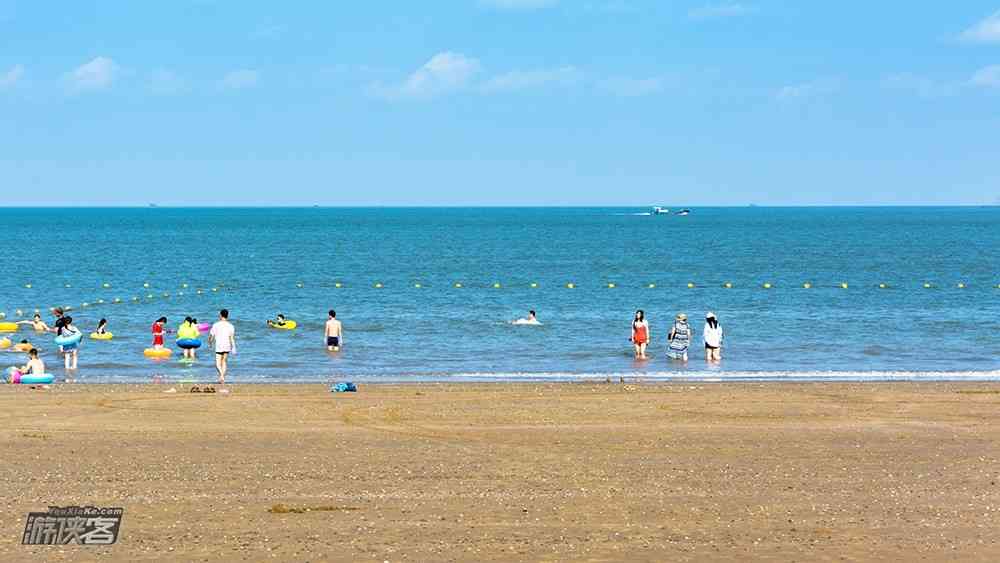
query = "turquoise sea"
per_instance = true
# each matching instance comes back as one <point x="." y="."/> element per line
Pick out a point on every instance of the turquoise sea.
<point x="264" y="261"/>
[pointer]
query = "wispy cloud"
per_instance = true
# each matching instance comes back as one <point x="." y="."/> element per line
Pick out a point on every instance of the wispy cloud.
<point x="985" y="31"/>
<point x="517" y="80"/>
<point x="97" y="74"/>
<point x="716" y="11"/>
<point x="240" y="79"/>
<point x="810" y="89"/>
<point x="444" y="73"/>
<point x="10" y="78"/>
<point x="632" y="87"/>
<point x="517" y="4"/>
<point x="988" y="77"/>
<point x="922" y="86"/>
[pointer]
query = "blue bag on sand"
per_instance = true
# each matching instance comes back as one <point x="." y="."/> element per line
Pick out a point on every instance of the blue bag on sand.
<point x="343" y="387"/>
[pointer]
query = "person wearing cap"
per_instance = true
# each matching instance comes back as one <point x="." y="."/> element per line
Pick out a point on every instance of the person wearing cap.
<point x="713" y="338"/>
<point x="679" y="338"/>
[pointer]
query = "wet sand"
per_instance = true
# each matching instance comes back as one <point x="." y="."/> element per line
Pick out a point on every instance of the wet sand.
<point x="470" y="472"/>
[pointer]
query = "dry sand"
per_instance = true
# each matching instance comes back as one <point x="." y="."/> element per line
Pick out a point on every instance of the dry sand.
<point x="469" y="472"/>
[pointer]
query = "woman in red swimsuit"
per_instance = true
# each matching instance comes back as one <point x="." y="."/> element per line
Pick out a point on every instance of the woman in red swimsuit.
<point x="640" y="334"/>
<point x="158" y="331"/>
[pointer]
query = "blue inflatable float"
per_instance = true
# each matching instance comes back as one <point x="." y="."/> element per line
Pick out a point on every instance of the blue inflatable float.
<point x="188" y="343"/>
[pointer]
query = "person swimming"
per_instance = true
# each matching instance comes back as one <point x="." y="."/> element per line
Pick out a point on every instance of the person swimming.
<point x="36" y="323"/>
<point x="277" y="321"/>
<point x="531" y="319"/>
<point x="102" y="327"/>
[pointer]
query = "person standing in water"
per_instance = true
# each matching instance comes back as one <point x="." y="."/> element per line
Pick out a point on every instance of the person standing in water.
<point x="333" y="332"/>
<point x="679" y="338"/>
<point x="187" y="331"/>
<point x="69" y="351"/>
<point x="713" y="338"/>
<point x="223" y="335"/>
<point x="640" y="334"/>
<point x="37" y="324"/>
<point x="158" y="332"/>
<point x="102" y="327"/>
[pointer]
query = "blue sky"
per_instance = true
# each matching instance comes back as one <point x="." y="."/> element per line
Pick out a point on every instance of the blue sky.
<point x="500" y="102"/>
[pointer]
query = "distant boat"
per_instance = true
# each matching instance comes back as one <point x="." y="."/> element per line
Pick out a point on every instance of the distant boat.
<point x="657" y="210"/>
<point x="683" y="212"/>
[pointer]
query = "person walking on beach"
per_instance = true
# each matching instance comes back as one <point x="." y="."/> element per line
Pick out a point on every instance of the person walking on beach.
<point x="333" y="333"/>
<point x="679" y="338"/>
<point x="640" y="334"/>
<point x="158" y="332"/>
<point x="223" y="335"/>
<point x="713" y="338"/>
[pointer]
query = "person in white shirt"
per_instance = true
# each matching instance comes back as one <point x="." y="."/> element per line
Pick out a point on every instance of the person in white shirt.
<point x="713" y="338"/>
<point x="223" y="335"/>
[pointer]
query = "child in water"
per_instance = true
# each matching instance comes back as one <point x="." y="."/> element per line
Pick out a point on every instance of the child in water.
<point x="102" y="327"/>
<point x="188" y="331"/>
<point x="69" y="351"/>
<point x="279" y="321"/>
<point x="158" y="332"/>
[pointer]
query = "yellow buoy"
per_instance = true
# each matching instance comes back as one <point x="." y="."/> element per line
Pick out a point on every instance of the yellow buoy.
<point x="843" y="285"/>
<point x="199" y="292"/>
<point x="100" y="302"/>
<point x="611" y="285"/>
<point x="67" y="286"/>
<point x="496" y="285"/>
<point x="85" y="304"/>
<point x="690" y="285"/>
<point x="570" y="286"/>
<point x="19" y="313"/>
<point x="118" y="299"/>
<point x="417" y="285"/>
<point x="961" y="285"/>
<point x="298" y="284"/>
<point x="215" y="289"/>
<point x="105" y="285"/>
<point x="146" y="285"/>
<point x="184" y="285"/>
<point x="337" y="284"/>
<point x="927" y="286"/>
<point x="27" y="285"/>
<point x="134" y="299"/>
<point x="149" y="296"/>
<point x="767" y="285"/>
<point x="458" y="284"/>
<point x="882" y="286"/>
<point x="378" y="285"/>
<point x="165" y="294"/>
<point x="534" y="284"/>
<point x="807" y="285"/>
<point x="651" y="286"/>
<point x="727" y="285"/>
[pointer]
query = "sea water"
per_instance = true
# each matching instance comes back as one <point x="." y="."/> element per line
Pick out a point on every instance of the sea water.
<point x="303" y="262"/>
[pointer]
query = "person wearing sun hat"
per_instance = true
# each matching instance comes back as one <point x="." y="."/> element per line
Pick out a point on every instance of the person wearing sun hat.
<point x="713" y="338"/>
<point x="679" y="338"/>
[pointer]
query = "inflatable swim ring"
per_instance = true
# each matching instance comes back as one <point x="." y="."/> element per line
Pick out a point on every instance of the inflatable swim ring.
<point x="23" y="347"/>
<point x="4" y="343"/>
<point x="204" y="327"/>
<point x="69" y="339"/>
<point x="15" y="377"/>
<point x="157" y="354"/>
<point x="289" y="325"/>
<point x="8" y="327"/>
<point x="99" y="336"/>
<point x="188" y="343"/>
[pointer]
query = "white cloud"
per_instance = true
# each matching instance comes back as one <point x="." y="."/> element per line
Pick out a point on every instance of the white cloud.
<point x="10" y="78"/>
<point x="445" y="72"/>
<point x="517" y="4"/>
<point x="163" y="81"/>
<point x="986" y="31"/>
<point x="240" y="79"/>
<point x="809" y="89"/>
<point x="632" y="87"/>
<point x="715" y="11"/>
<point x="988" y="77"/>
<point x="97" y="74"/>
<point x="517" y="80"/>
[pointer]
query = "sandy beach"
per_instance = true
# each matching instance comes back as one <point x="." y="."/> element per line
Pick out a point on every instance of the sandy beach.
<point x="465" y="472"/>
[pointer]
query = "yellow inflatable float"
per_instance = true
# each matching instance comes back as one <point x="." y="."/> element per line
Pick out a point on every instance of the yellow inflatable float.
<point x="101" y="336"/>
<point x="4" y="343"/>
<point x="23" y="347"/>
<point x="8" y="327"/>
<point x="157" y="353"/>
<point x="288" y="325"/>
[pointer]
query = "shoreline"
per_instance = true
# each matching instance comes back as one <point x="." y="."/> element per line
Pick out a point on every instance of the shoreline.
<point x="502" y="471"/>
